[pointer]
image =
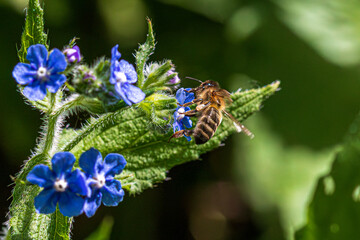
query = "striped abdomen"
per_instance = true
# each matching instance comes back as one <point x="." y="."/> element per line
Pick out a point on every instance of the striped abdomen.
<point x="207" y="125"/>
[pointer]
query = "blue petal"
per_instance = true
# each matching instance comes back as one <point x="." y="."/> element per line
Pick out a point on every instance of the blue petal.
<point x="37" y="54"/>
<point x="187" y="122"/>
<point x="62" y="162"/>
<point x="70" y="204"/>
<point x="129" y="71"/>
<point x="177" y="126"/>
<point x="35" y="91"/>
<point x="92" y="203"/>
<point x="114" y="67"/>
<point x="57" y="61"/>
<point x="46" y="201"/>
<point x="180" y="97"/>
<point x="112" y="193"/>
<point x="91" y="161"/>
<point x="24" y="73"/>
<point x="77" y="183"/>
<point x="41" y="175"/>
<point x="115" y="55"/>
<point x="55" y="82"/>
<point x="188" y="96"/>
<point x="133" y="93"/>
<point x="184" y="97"/>
<point x="119" y="90"/>
<point x="114" y="163"/>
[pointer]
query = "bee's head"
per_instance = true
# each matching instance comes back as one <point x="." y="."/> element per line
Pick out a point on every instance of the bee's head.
<point x="209" y="84"/>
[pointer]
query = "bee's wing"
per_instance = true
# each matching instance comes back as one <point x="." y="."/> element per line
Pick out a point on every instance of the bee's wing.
<point x="238" y="125"/>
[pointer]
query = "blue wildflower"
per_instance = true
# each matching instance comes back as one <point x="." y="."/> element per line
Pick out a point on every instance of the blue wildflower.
<point x="100" y="173"/>
<point x="180" y="120"/>
<point x="61" y="185"/>
<point x="73" y="54"/>
<point x="123" y="75"/>
<point x="42" y="73"/>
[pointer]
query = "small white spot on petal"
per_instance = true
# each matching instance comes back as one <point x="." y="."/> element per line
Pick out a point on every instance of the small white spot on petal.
<point x="120" y="77"/>
<point x="60" y="185"/>
<point x="100" y="181"/>
<point x="181" y="112"/>
<point x="41" y="72"/>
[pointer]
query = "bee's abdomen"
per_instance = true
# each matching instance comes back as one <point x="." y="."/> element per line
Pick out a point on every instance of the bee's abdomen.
<point x="207" y="125"/>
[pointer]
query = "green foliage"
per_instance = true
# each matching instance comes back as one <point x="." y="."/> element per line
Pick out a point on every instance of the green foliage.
<point x="25" y="223"/>
<point x="148" y="152"/>
<point x="103" y="232"/>
<point x="159" y="76"/>
<point x="143" y="54"/>
<point x="293" y="171"/>
<point x="34" y="29"/>
<point x="140" y="133"/>
<point x="334" y="212"/>
<point x="330" y="27"/>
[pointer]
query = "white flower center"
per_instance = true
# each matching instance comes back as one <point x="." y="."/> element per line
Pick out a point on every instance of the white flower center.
<point x="41" y="73"/>
<point x="181" y="112"/>
<point x="60" y="185"/>
<point x="120" y="77"/>
<point x="100" y="181"/>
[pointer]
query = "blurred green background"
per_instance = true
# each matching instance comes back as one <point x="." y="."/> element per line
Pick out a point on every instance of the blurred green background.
<point x="246" y="189"/>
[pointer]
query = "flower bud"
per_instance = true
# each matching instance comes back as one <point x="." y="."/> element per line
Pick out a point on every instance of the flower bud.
<point x="73" y="54"/>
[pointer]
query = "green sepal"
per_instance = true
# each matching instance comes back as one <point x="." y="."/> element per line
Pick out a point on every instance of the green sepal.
<point x="159" y="107"/>
<point x="143" y="53"/>
<point x="159" y="76"/>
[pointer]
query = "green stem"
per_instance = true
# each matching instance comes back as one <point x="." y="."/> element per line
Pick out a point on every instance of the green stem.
<point x="50" y="128"/>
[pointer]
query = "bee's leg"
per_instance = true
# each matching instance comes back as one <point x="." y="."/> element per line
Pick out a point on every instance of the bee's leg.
<point x="178" y="134"/>
<point x="191" y="113"/>
<point x="190" y="91"/>
<point x="190" y="103"/>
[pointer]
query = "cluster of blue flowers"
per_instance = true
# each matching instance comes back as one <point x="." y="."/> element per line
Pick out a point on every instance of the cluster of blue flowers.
<point x="45" y="72"/>
<point x="76" y="191"/>
<point x="180" y="120"/>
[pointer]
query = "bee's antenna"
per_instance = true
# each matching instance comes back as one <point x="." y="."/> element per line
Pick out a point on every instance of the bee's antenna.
<point x="194" y="79"/>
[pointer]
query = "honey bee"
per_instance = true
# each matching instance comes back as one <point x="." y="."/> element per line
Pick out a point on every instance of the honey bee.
<point x="211" y="102"/>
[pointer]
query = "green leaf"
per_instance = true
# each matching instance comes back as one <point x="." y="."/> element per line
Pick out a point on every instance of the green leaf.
<point x="147" y="151"/>
<point x="143" y="54"/>
<point x="293" y="170"/>
<point x="103" y="232"/>
<point x="334" y="212"/>
<point x="331" y="27"/>
<point x="34" y="29"/>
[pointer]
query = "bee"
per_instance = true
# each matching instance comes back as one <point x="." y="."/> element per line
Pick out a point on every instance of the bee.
<point x="211" y="102"/>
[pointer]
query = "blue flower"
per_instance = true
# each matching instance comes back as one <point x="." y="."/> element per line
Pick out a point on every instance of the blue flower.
<point x="61" y="185"/>
<point x="42" y="73"/>
<point x="100" y="173"/>
<point x="73" y="54"/>
<point x="180" y="120"/>
<point x="123" y="75"/>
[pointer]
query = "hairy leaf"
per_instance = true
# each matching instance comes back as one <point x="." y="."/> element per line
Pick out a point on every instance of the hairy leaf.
<point x="143" y="54"/>
<point x="147" y="150"/>
<point x="34" y="29"/>
<point x="334" y="212"/>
